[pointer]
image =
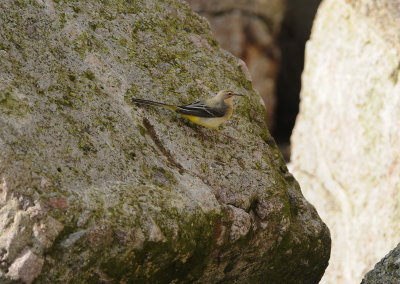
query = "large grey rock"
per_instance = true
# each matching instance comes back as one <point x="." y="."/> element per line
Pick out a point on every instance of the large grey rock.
<point x="346" y="141"/>
<point x="97" y="190"/>
<point x="386" y="271"/>
<point x="249" y="29"/>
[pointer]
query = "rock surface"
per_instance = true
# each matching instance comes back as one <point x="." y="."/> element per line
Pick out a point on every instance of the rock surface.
<point x="249" y="29"/>
<point x="99" y="190"/>
<point x="346" y="140"/>
<point x="26" y="267"/>
<point x="386" y="271"/>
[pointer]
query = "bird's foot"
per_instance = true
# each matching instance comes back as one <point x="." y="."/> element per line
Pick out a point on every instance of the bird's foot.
<point x="226" y="135"/>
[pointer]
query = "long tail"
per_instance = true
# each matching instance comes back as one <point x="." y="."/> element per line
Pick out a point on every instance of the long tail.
<point x="153" y="103"/>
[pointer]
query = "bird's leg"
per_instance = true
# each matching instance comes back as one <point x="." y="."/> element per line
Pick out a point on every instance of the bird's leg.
<point x="199" y="130"/>
<point x="205" y="133"/>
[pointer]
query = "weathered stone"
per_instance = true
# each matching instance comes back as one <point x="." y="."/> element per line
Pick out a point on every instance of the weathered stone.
<point x="241" y="223"/>
<point x="249" y="29"/>
<point x="73" y="238"/>
<point x="15" y="229"/>
<point x="135" y="194"/>
<point x="386" y="271"/>
<point x="46" y="231"/>
<point x="5" y="192"/>
<point x="26" y="267"/>
<point x="346" y="140"/>
<point x="59" y="202"/>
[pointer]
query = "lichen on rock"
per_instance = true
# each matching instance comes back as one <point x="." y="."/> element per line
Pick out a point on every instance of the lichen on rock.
<point x="385" y="271"/>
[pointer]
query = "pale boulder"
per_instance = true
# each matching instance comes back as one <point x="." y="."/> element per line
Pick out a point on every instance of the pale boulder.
<point x="347" y="136"/>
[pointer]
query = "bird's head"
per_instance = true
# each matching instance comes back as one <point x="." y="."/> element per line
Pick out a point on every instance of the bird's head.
<point x="228" y="95"/>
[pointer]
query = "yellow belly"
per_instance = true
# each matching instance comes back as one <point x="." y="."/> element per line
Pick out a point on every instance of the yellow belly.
<point x="209" y="122"/>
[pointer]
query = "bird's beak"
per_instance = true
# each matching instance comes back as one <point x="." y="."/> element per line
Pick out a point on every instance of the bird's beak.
<point x="239" y="95"/>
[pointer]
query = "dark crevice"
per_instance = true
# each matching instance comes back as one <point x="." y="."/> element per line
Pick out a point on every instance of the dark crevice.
<point x="253" y="206"/>
<point x="295" y="32"/>
<point x="160" y="146"/>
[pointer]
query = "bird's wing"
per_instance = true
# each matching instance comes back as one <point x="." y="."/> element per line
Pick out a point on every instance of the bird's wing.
<point x="202" y="109"/>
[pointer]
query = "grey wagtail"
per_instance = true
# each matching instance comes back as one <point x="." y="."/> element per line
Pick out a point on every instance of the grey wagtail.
<point x="209" y="113"/>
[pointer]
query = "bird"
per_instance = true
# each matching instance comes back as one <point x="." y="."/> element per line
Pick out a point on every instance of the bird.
<point x="210" y="113"/>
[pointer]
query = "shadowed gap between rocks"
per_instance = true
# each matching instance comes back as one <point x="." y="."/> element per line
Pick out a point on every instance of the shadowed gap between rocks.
<point x="295" y="31"/>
